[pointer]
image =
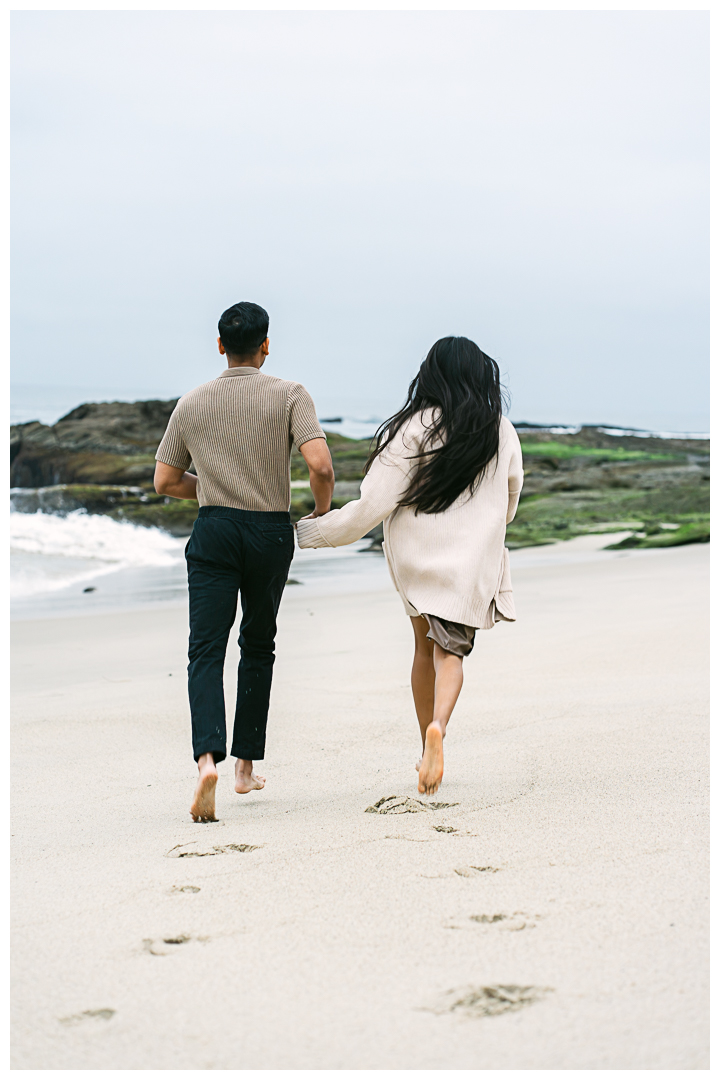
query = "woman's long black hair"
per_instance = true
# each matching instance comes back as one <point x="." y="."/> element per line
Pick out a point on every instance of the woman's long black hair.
<point x="460" y="385"/>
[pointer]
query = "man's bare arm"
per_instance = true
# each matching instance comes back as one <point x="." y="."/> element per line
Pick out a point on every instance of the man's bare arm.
<point x="175" y="482"/>
<point x="322" y="477"/>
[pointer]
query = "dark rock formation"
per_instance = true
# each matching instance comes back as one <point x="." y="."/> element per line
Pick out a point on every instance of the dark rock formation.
<point x="101" y="457"/>
<point x="101" y="443"/>
<point x="546" y="475"/>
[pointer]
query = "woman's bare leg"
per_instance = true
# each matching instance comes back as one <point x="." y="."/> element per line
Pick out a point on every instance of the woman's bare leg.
<point x="448" y="684"/>
<point x="422" y="678"/>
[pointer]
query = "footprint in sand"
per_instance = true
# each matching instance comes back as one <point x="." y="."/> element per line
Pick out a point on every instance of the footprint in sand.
<point x="479" y="1001"/>
<point x="473" y="871"/>
<point x="166" y="945"/>
<point x="411" y="839"/>
<point x="196" y="849"/>
<point x="88" y="1014"/>
<point x="517" y="921"/>
<point x="403" y="804"/>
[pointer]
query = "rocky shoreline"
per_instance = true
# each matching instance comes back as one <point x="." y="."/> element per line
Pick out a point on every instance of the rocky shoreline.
<point x="100" y="458"/>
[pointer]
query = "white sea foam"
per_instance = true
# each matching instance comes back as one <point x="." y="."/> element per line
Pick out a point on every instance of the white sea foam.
<point x="49" y="552"/>
<point x="655" y="434"/>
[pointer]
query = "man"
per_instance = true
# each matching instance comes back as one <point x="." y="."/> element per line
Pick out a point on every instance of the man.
<point x="238" y="432"/>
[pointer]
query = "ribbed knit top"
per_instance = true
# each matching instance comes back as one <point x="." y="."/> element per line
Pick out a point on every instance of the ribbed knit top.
<point x="238" y="431"/>
<point x="453" y="565"/>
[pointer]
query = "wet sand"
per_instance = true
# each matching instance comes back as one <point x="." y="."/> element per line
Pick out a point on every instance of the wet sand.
<point x="553" y="916"/>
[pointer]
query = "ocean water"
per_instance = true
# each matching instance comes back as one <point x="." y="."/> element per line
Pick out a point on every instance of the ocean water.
<point x="49" y="552"/>
<point x="83" y="563"/>
<point x="80" y="562"/>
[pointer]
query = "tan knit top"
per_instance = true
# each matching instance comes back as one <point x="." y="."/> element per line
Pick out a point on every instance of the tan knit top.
<point x="238" y="432"/>
<point x="453" y="565"/>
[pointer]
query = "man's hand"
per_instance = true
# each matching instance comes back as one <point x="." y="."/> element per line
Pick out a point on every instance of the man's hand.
<point x="322" y="477"/>
<point x="175" y="482"/>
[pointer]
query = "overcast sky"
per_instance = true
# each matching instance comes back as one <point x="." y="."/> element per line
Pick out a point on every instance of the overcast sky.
<point x="535" y="181"/>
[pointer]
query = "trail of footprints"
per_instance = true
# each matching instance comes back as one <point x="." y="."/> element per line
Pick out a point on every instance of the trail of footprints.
<point x="471" y="1001"/>
<point x="196" y="849"/>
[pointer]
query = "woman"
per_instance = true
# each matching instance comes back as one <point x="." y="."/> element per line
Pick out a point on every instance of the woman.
<point x="445" y="478"/>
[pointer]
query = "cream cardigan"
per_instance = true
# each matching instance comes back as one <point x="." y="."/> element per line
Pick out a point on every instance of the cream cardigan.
<point x="453" y="565"/>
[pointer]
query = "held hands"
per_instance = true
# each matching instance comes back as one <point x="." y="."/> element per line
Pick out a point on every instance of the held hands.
<point x="308" y="537"/>
<point x="315" y="514"/>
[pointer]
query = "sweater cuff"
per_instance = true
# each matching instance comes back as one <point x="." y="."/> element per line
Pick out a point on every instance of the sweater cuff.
<point x="309" y="535"/>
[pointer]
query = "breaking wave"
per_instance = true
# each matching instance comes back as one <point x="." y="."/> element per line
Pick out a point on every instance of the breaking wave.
<point x="49" y="552"/>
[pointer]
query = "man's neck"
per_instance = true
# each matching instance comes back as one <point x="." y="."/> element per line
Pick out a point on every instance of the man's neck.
<point x="246" y="361"/>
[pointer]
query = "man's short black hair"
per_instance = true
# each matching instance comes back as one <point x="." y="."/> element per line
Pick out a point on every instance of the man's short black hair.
<point x="243" y="328"/>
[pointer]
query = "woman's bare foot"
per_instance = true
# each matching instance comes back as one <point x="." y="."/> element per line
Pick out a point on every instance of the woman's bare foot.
<point x="245" y="779"/>
<point x="431" y="766"/>
<point x="203" y="807"/>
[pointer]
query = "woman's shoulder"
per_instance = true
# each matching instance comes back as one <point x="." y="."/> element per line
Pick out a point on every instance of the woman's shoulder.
<point x="414" y="428"/>
<point x="407" y="441"/>
<point x="420" y="422"/>
<point x="508" y="434"/>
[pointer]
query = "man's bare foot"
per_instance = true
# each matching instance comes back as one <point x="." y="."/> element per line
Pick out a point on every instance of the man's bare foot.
<point x="431" y="766"/>
<point x="418" y="763"/>
<point x="245" y="779"/>
<point x="203" y="807"/>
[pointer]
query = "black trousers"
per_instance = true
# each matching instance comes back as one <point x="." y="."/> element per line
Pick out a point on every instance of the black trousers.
<point x="233" y="551"/>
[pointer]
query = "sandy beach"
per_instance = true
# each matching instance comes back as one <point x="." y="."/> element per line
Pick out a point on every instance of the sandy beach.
<point x="550" y="914"/>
